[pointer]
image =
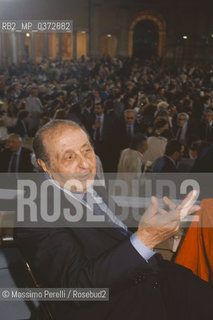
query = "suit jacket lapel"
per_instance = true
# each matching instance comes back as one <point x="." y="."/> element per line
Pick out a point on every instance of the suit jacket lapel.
<point x="103" y="226"/>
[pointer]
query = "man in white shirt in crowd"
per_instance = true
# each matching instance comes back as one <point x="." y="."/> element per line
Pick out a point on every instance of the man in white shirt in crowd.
<point x="34" y="107"/>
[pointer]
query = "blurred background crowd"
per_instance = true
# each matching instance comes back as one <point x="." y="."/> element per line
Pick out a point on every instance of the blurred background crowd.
<point x="139" y="115"/>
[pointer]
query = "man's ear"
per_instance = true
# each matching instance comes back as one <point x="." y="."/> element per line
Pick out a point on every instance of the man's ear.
<point x="42" y="164"/>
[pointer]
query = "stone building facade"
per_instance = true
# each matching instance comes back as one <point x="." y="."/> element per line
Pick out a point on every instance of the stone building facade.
<point x="184" y="29"/>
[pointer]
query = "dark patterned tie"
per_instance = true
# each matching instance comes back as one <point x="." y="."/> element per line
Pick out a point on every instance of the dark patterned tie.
<point x="98" y="211"/>
<point x="208" y="132"/>
<point x="129" y="133"/>
<point x="98" y="131"/>
<point x="13" y="161"/>
<point x="179" y="133"/>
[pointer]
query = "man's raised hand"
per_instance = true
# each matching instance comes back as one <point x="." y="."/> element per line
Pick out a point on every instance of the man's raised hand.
<point x="158" y="224"/>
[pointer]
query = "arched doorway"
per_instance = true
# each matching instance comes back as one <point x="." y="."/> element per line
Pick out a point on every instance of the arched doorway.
<point x="145" y="39"/>
<point x="153" y="21"/>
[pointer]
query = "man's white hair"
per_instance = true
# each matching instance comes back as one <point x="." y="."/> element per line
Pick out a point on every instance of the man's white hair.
<point x="130" y="110"/>
<point x="183" y="114"/>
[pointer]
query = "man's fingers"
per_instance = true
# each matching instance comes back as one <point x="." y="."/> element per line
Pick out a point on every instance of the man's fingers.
<point x="152" y="209"/>
<point x="169" y="203"/>
<point x="187" y="202"/>
<point x="168" y="217"/>
<point x="187" y="211"/>
<point x="154" y="203"/>
<point x="186" y="207"/>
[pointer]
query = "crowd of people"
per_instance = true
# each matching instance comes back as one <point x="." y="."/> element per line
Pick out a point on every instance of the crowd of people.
<point x="139" y="116"/>
<point x="116" y="100"/>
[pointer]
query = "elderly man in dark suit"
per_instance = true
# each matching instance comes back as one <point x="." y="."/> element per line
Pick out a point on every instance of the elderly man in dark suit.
<point x="16" y="158"/>
<point x="102" y="136"/>
<point x="126" y="129"/>
<point x="206" y="127"/>
<point x="21" y="126"/>
<point x="141" y="284"/>
<point x="182" y="130"/>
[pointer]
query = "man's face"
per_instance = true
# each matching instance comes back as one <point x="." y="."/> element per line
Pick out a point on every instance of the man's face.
<point x="143" y="148"/>
<point x="130" y="118"/>
<point x="26" y="119"/>
<point x="208" y="102"/>
<point x="208" y="117"/>
<point x="181" y="120"/>
<point x="162" y="91"/>
<point x="96" y="94"/>
<point x="34" y="92"/>
<point x="14" y="143"/>
<point x="172" y="111"/>
<point x="72" y="159"/>
<point x="98" y="110"/>
<point x="131" y="102"/>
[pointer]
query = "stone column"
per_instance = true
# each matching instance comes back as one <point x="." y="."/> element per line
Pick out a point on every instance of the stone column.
<point x="13" y="48"/>
<point x="1" y="49"/>
<point x="21" y="46"/>
<point x="5" y="54"/>
<point x="60" y="36"/>
<point x="74" y="44"/>
<point x="33" y="46"/>
<point x="46" y="45"/>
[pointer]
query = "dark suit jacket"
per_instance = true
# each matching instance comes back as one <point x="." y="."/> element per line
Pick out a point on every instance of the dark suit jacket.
<point x="204" y="162"/>
<point x="108" y="125"/>
<point x="25" y="164"/>
<point x="72" y="256"/>
<point x="164" y="164"/>
<point x="185" y="165"/>
<point x="203" y="133"/>
<point x="121" y="137"/>
<point x="191" y="130"/>
<point x="87" y="120"/>
<point x="20" y="129"/>
<point x="103" y="147"/>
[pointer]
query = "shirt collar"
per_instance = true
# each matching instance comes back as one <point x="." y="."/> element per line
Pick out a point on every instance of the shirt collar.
<point x="100" y="117"/>
<point x="78" y="196"/>
<point x="19" y="151"/>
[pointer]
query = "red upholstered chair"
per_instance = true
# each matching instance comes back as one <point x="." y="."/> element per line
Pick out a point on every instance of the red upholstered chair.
<point x="196" y="250"/>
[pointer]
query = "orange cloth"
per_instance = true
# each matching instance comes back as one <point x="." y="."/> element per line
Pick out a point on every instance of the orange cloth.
<point x="191" y="252"/>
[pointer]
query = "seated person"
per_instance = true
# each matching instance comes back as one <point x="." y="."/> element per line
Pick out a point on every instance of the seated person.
<point x="15" y="158"/>
<point x="168" y="162"/>
<point x="21" y="126"/>
<point x="81" y="254"/>
<point x="157" y="141"/>
<point x="130" y="162"/>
